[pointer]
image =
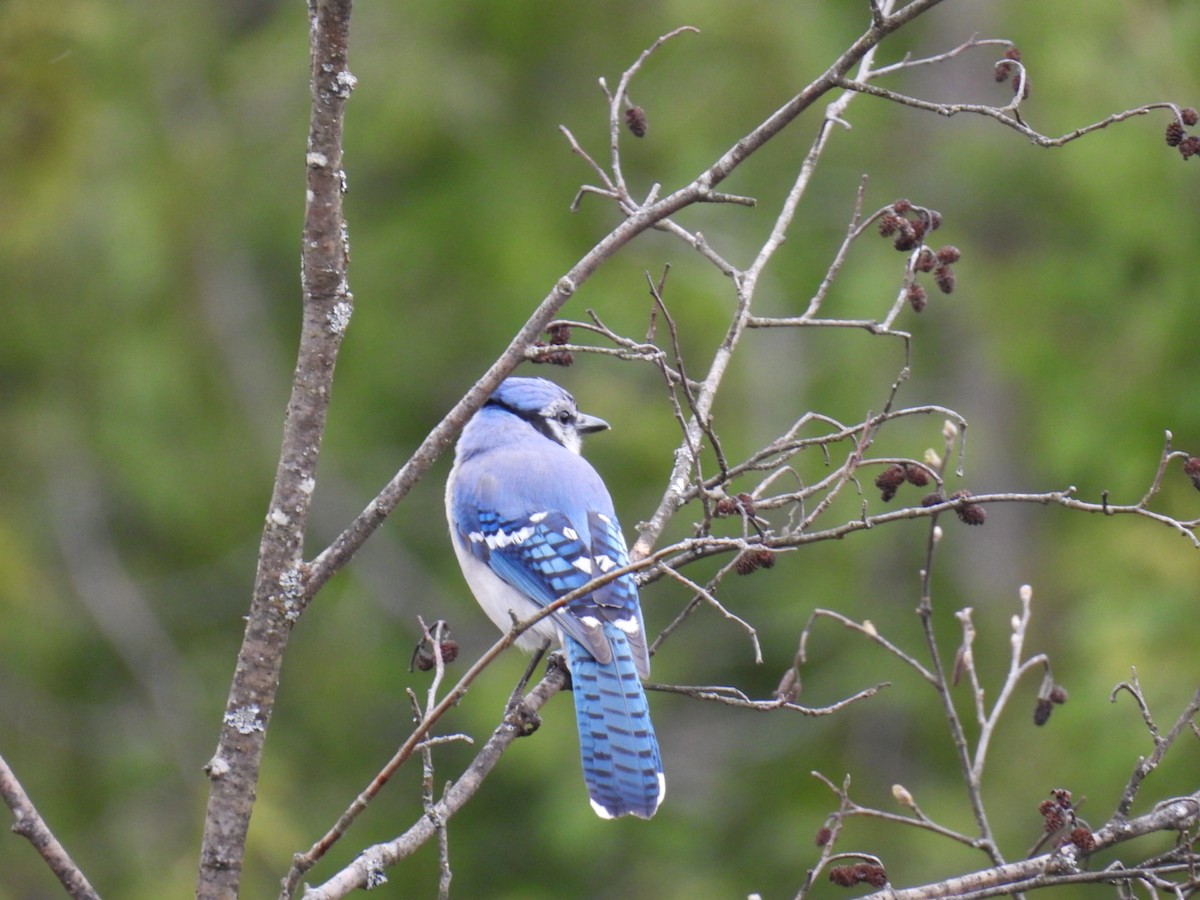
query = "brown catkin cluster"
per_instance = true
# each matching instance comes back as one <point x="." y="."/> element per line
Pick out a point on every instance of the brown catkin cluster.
<point x="1188" y="145"/>
<point x="752" y="560"/>
<point x="1005" y="70"/>
<point x="739" y="504"/>
<point x="859" y="873"/>
<point x="889" y="480"/>
<point x="908" y="225"/>
<point x="969" y="513"/>
<point x="1083" y="839"/>
<point x="559" y="334"/>
<point x="424" y="659"/>
<point x="1058" y="811"/>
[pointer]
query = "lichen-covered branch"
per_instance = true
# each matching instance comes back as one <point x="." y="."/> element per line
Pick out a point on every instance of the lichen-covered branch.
<point x="279" y="589"/>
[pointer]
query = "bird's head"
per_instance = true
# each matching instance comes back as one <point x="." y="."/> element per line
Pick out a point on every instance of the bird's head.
<point x="547" y="408"/>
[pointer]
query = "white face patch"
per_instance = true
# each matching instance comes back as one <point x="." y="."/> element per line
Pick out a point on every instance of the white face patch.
<point x="583" y="564"/>
<point x="571" y="440"/>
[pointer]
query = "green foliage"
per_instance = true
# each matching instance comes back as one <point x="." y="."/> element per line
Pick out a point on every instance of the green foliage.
<point x="152" y="199"/>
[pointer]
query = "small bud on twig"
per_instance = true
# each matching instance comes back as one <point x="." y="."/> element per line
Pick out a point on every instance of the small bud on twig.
<point x="1052" y="816"/>
<point x="949" y="254"/>
<point x="635" y="119"/>
<point x="843" y="876"/>
<point x="969" y="513"/>
<point x="1083" y="839"/>
<point x="906" y="237"/>
<point x="916" y="476"/>
<point x="1041" y="712"/>
<point x="751" y="560"/>
<point x="917" y="298"/>
<point x="944" y="278"/>
<point x="725" y="507"/>
<point x="424" y="657"/>
<point x="960" y="666"/>
<point x="848" y="876"/>
<point x="1191" y="469"/>
<point x="876" y="876"/>
<point x="889" y="480"/>
<point x="554" y="358"/>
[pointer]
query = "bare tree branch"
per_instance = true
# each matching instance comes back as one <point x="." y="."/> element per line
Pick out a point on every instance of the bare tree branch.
<point x="1063" y="865"/>
<point x="1005" y="115"/>
<point x="31" y="826"/>
<point x="1162" y="743"/>
<point x="279" y="583"/>
<point x="367" y="870"/>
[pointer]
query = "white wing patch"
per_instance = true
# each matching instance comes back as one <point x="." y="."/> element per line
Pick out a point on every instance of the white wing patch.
<point x="605" y="562"/>
<point x="583" y="564"/>
<point x="570" y="534"/>
<point x="629" y="626"/>
<point x="502" y="539"/>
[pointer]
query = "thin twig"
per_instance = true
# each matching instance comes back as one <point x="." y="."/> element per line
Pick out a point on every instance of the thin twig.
<point x="730" y="696"/>
<point x="712" y="601"/>
<point x="31" y="826"/>
<point x="618" y="100"/>
<point x="1005" y="115"/>
<point x="1161" y="743"/>
<point x="971" y="778"/>
<point x="909" y="63"/>
<point x="368" y="868"/>
<point x="1017" y="668"/>
<point x="918" y="820"/>
<point x="867" y="629"/>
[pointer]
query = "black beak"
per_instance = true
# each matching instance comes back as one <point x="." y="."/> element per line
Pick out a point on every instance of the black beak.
<point x="586" y="424"/>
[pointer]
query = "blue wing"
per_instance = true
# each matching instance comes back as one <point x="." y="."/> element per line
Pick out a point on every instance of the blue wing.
<point x="545" y="556"/>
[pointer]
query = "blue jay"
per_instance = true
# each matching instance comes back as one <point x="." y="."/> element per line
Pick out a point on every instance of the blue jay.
<point x="531" y="521"/>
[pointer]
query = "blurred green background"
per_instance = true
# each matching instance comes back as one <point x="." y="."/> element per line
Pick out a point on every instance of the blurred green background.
<point x="152" y="202"/>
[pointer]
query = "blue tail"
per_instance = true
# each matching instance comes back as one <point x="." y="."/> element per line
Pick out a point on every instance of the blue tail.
<point x="621" y="764"/>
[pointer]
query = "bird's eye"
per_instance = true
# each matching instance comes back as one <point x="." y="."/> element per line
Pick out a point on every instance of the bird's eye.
<point x="565" y="417"/>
